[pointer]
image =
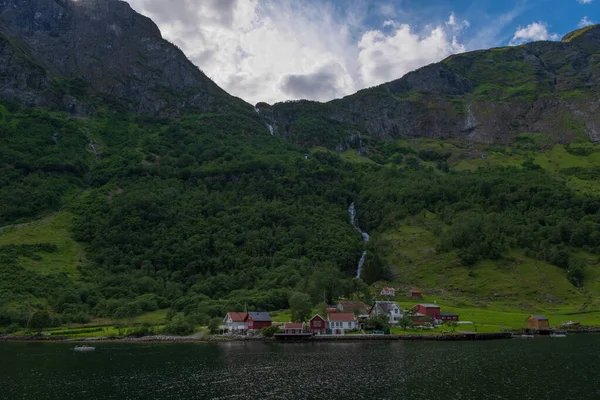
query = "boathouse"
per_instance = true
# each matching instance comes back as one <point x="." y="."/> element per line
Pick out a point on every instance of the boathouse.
<point x="537" y="322"/>
<point x="293" y="328"/>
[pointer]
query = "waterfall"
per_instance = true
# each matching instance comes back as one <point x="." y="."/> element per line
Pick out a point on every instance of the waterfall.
<point x="271" y="130"/>
<point x="365" y="237"/>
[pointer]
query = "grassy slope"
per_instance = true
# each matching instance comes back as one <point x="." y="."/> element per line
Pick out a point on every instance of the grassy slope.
<point x="498" y="293"/>
<point x="54" y="230"/>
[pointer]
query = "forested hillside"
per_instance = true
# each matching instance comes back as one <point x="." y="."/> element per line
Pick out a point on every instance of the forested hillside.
<point x="114" y="208"/>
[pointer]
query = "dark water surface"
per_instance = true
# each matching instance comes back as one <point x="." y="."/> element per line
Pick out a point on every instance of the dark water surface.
<point x="543" y="368"/>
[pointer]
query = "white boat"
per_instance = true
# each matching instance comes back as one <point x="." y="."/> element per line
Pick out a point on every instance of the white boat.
<point x="527" y="337"/>
<point x="558" y="335"/>
<point x="84" y="349"/>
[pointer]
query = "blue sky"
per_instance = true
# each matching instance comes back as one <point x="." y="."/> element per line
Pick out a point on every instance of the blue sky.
<point x="276" y="50"/>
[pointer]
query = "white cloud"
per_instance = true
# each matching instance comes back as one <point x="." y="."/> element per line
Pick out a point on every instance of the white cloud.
<point x="584" y="1"/>
<point x="265" y="50"/>
<point x="585" y="21"/>
<point x="533" y="32"/>
<point x="384" y="57"/>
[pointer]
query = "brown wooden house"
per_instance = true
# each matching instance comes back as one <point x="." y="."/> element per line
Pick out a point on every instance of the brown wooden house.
<point x="415" y="294"/>
<point x="537" y="322"/>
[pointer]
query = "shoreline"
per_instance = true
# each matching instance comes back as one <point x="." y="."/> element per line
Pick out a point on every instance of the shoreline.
<point x="459" y="336"/>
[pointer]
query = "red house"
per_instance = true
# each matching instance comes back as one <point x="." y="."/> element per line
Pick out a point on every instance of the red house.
<point x="415" y="294"/>
<point x="318" y="325"/>
<point x="258" y="320"/>
<point x="293" y="328"/>
<point x="431" y="310"/>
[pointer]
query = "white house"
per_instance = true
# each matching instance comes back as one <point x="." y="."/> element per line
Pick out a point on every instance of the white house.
<point x="236" y="322"/>
<point x="389" y="308"/>
<point x="388" y="291"/>
<point x="339" y="323"/>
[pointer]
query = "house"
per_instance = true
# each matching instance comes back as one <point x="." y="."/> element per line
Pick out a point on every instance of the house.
<point x="235" y="322"/>
<point x="389" y="308"/>
<point x="318" y="325"/>
<point x="537" y="322"/>
<point x="293" y="328"/>
<point x="415" y="294"/>
<point x="341" y="322"/>
<point x="388" y="291"/>
<point x="354" y="307"/>
<point x="258" y="320"/>
<point x="446" y="316"/>
<point x="431" y="310"/>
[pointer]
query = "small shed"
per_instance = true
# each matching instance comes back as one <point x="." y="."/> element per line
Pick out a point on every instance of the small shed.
<point x="293" y="328"/>
<point x="537" y="322"/>
<point x="446" y="316"/>
<point x="415" y="294"/>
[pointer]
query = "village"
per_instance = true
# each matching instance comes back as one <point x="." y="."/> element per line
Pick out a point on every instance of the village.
<point x="356" y="317"/>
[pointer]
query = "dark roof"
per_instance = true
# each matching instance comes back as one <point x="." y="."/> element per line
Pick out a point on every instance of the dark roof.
<point x="260" y="316"/>
<point x="448" y="314"/>
<point x="351" y="306"/>
<point x="384" y="306"/>
<point x="317" y="316"/>
<point x="540" y="317"/>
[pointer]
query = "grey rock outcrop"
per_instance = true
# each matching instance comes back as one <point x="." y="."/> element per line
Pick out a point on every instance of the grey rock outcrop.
<point x="74" y="55"/>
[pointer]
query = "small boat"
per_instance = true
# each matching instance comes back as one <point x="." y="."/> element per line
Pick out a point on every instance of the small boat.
<point x="84" y="348"/>
<point x="558" y="335"/>
<point x="527" y="337"/>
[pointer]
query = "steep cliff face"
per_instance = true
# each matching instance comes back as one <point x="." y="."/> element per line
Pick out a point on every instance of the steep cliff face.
<point x="486" y="96"/>
<point x="92" y="51"/>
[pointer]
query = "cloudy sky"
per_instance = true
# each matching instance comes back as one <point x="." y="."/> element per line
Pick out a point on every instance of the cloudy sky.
<point x="275" y="50"/>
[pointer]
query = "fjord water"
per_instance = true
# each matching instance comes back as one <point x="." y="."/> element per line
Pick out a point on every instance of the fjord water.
<point x="543" y="368"/>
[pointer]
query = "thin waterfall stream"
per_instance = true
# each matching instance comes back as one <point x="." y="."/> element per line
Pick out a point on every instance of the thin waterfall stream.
<point x="365" y="237"/>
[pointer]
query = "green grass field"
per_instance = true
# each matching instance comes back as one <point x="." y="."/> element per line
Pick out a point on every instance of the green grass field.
<point x="54" y="230"/>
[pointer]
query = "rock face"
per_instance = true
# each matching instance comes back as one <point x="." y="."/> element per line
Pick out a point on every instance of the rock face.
<point x="75" y="54"/>
<point x="488" y="96"/>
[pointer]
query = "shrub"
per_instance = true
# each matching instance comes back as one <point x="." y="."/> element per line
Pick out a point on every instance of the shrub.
<point x="270" y="331"/>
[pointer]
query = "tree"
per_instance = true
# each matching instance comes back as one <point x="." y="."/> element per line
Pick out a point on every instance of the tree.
<point x="39" y="320"/>
<point x="406" y="321"/>
<point x="378" y="323"/>
<point x="213" y="325"/>
<point x="300" y="306"/>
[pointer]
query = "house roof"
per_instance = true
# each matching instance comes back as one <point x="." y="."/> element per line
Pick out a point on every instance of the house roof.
<point x="352" y="305"/>
<point x="429" y="305"/>
<point x="293" y="325"/>
<point x="237" y="316"/>
<point x="341" y="317"/>
<point x="416" y="291"/>
<point x="388" y="288"/>
<point x="385" y="306"/>
<point x="448" y="314"/>
<point x="317" y="316"/>
<point x="540" y="317"/>
<point x="260" y="316"/>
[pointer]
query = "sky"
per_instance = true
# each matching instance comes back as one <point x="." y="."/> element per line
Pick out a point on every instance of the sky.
<point x="277" y="50"/>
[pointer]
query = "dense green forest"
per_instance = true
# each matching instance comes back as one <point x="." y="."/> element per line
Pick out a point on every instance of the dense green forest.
<point x="209" y="213"/>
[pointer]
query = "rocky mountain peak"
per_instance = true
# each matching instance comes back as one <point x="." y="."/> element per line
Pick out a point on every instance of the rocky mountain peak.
<point x="85" y="52"/>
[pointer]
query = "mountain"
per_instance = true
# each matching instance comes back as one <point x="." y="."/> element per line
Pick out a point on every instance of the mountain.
<point x="78" y="56"/>
<point x="488" y="96"/>
<point x="131" y="184"/>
